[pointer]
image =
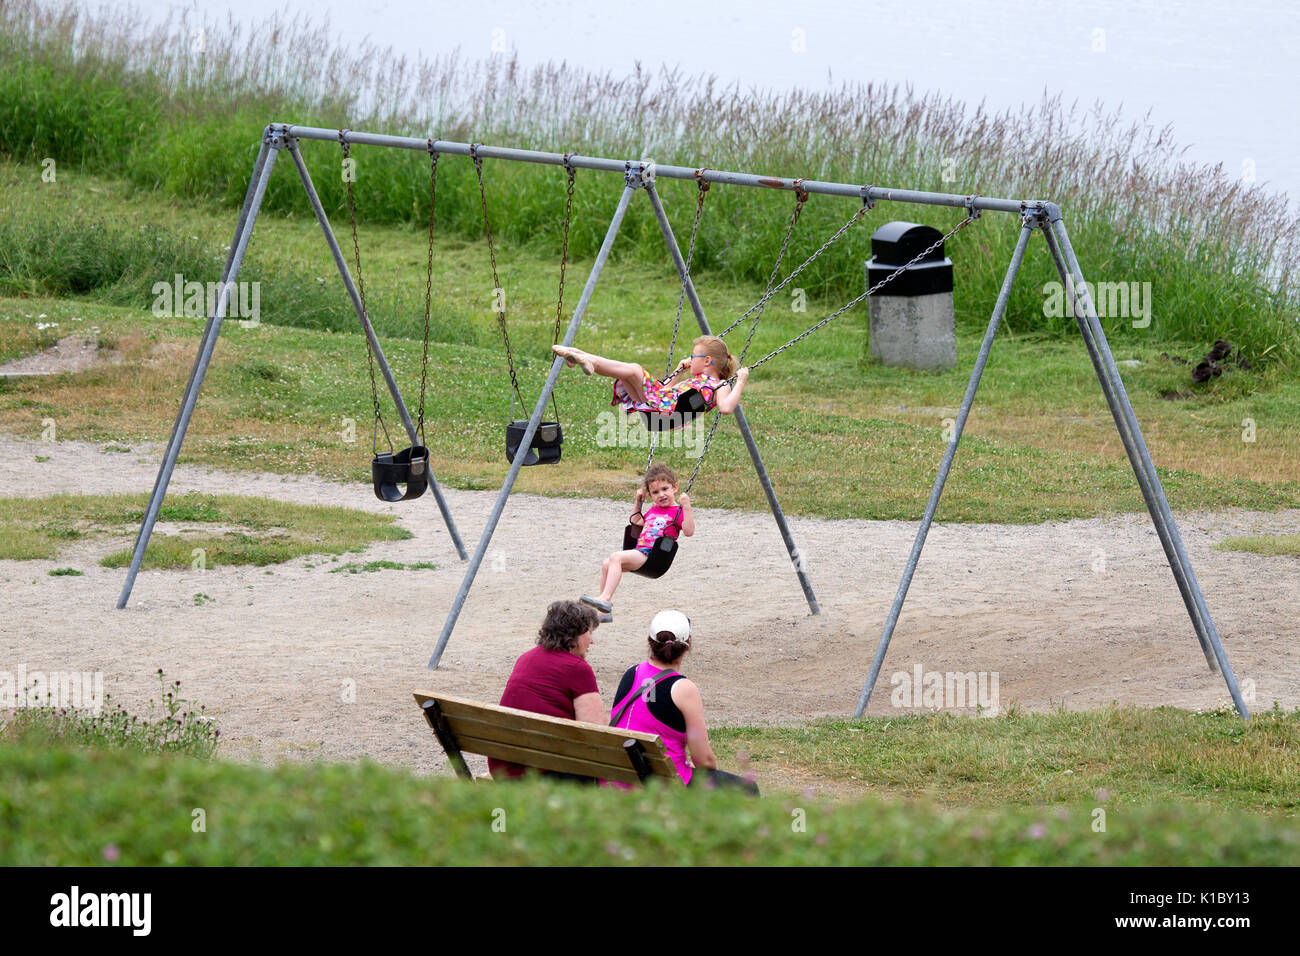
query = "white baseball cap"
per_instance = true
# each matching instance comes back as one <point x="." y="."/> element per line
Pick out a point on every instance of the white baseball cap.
<point x="674" y="622"/>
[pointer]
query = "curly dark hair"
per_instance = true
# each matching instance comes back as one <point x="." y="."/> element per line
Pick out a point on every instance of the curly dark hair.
<point x="658" y="472"/>
<point x="565" y="622"/>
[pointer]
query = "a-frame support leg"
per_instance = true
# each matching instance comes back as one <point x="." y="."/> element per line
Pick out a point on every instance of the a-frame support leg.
<point x="948" y="454"/>
<point x="556" y="366"/>
<point x="1144" y="469"/>
<point x="271" y="146"/>
<point x="1130" y="435"/>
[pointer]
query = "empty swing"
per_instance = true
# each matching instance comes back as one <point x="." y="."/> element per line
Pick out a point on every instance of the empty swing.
<point x="546" y="447"/>
<point x="410" y="467"/>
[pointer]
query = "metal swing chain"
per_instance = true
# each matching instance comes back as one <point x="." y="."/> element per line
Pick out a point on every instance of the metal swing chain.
<point x="690" y="256"/>
<point x="365" y="310"/>
<point x="804" y="265"/>
<point x="496" y="281"/>
<point x="681" y="297"/>
<point x="801" y="198"/>
<point x="564" y="263"/>
<point x="717" y="416"/>
<point x="708" y="440"/>
<point x="887" y="279"/>
<point x="428" y="287"/>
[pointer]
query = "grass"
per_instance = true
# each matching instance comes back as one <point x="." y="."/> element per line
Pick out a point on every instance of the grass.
<point x="843" y="436"/>
<point x="65" y="246"/>
<point x="353" y="568"/>
<point x="1120" y="786"/>
<point x="840" y="438"/>
<point x="1152" y="788"/>
<point x="263" y="531"/>
<point x="100" y="91"/>
<point x="1273" y="545"/>
<point x="1141" y="757"/>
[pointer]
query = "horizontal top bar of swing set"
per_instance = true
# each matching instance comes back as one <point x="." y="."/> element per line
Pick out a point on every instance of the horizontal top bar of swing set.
<point x="878" y="193"/>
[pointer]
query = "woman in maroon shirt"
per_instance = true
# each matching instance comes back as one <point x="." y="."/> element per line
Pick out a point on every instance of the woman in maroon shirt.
<point x="554" y="677"/>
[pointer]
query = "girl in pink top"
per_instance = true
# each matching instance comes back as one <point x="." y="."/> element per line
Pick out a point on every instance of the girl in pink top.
<point x="670" y="514"/>
<point x="707" y="370"/>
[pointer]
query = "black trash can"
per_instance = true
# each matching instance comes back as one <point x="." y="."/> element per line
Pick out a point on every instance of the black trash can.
<point x="911" y="318"/>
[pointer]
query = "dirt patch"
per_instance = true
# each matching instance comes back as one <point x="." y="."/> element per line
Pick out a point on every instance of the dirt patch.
<point x="171" y="354"/>
<point x="297" y="662"/>
<point x="77" y="353"/>
<point x="72" y="353"/>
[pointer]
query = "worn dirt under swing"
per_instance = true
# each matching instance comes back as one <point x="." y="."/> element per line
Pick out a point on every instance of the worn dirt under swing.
<point x="1033" y="215"/>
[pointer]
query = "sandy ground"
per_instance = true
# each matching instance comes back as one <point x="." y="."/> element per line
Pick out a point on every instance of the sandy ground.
<point x="1078" y="614"/>
<point x="72" y="353"/>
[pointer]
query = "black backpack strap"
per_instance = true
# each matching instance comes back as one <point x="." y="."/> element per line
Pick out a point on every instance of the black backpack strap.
<point x="637" y="692"/>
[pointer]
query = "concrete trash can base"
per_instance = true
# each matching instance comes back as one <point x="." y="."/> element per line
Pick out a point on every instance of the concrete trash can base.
<point x="911" y="318"/>
<point x="913" y="331"/>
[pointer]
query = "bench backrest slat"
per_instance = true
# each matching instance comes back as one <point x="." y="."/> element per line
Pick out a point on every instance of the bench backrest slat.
<point x="547" y="743"/>
<point x="595" y="734"/>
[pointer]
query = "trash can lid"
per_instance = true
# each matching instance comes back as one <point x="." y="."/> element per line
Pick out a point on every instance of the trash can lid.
<point x="898" y="242"/>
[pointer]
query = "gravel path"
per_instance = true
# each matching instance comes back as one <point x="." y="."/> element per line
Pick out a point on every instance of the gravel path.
<point x="296" y="661"/>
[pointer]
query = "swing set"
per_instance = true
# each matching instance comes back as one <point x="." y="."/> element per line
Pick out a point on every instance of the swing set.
<point x="405" y="475"/>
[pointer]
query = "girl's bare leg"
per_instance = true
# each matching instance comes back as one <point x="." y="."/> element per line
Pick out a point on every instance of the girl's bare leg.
<point x="630" y="374"/>
<point x="604" y="570"/>
<point x="613" y="570"/>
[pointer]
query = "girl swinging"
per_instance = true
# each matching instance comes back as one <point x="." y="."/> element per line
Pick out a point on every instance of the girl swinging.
<point x="670" y="515"/>
<point x="706" y="371"/>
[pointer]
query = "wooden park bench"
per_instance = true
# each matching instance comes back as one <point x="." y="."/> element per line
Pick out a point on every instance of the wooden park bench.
<point x="544" y="743"/>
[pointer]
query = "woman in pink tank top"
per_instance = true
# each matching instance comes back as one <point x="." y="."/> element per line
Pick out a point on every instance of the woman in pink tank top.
<point x="636" y="715"/>
<point x="661" y="701"/>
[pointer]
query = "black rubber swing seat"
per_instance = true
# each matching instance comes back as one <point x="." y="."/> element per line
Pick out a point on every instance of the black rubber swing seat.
<point x="409" y="467"/>
<point x="661" y="555"/>
<point x="690" y="405"/>
<point x="546" y="447"/>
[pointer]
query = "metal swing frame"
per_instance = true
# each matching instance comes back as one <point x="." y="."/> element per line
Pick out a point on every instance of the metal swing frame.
<point x="640" y="175"/>
<point x="274" y="140"/>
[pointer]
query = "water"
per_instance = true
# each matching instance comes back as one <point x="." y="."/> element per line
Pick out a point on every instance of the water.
<point x="1222" y="75"/>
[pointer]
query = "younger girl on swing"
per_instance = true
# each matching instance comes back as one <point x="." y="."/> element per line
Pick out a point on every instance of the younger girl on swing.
<point x="706" y="370"/>
<point x="668" y="515"/>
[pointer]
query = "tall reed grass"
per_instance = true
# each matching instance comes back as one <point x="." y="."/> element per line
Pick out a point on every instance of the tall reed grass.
<point x="179" y="106"/>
